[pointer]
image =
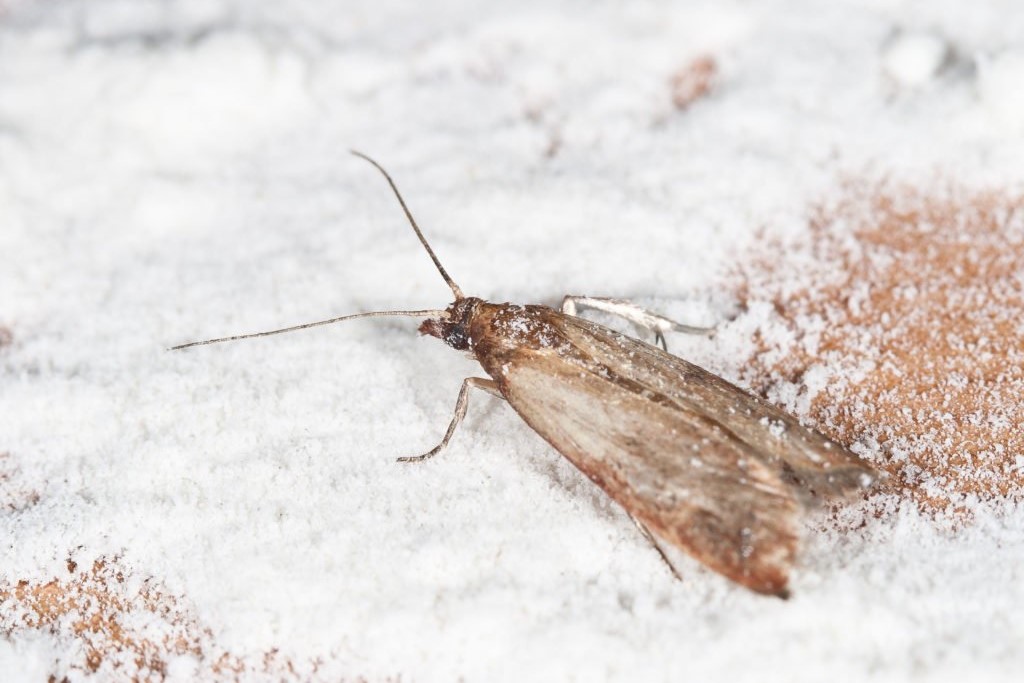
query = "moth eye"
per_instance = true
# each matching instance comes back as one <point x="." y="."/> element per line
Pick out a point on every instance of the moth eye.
<point x="457" y="338"/>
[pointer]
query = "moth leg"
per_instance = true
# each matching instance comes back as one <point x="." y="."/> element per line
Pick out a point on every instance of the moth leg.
<point x="657" y="546"/>
<point x="639" y="316"/>
<point x="461" y="403"/>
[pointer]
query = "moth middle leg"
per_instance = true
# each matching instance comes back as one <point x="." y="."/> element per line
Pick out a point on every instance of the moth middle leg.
<point x="461" y="403"/>
<point x="640" y="317"/>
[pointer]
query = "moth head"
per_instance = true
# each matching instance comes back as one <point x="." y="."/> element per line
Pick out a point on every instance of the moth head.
<point x="452" y="327"/>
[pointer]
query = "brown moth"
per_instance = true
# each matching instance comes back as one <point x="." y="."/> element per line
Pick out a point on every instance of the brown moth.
<point x="698" y="463"/>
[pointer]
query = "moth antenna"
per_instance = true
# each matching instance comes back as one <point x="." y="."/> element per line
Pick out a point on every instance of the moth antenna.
<point x="456" y="290"/>
<point x="371" y="314"/>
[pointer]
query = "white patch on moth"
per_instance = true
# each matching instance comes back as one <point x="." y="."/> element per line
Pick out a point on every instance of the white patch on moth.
<point x="776" y="428"/>
<point x="522" y="327"/>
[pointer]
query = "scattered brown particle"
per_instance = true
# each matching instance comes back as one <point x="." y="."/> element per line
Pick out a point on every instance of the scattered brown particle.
<point x="6" y="337"/>
<point x="13" y="498"/>
<point x="554" y="145"/>
<point x="693" y="81"/>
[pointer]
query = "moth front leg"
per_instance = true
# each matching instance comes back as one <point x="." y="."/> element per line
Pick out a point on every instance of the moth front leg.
<point x="461" y="403"/>
<point x="639" y="316"/>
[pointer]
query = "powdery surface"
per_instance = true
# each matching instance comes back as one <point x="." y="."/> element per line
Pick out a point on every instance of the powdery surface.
<point x="172" y="171"/>
<point x="910" y="343"/>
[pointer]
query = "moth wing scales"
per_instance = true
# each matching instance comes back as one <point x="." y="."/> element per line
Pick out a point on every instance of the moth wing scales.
<point x="820" y="467"/>
<point x="691" y="483"/>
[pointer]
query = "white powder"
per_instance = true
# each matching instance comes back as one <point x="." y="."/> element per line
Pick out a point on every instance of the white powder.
<point x="175" y="171"/>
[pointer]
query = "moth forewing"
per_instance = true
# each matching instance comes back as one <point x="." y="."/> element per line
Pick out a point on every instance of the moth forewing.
<point x="822" y="467"/>
<point x="687" y="482"/>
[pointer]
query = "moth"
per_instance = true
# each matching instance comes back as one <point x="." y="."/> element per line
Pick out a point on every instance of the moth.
<point x="698" y="463"/>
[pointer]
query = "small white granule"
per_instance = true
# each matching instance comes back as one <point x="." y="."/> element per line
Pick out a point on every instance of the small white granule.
<point x="913" y="59"/>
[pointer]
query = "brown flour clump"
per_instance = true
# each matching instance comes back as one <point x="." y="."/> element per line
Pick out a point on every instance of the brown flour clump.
<point x="898" y="325"/>
<point x="107" y="626"/>
<point x="103" y="625"/>
<point x="111" y="627"/>
<point x="693" y="81"/>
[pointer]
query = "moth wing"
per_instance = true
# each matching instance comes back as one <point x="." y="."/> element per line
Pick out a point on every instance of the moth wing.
<point x="691" y="482"/>
<point x="819" y="467"/>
